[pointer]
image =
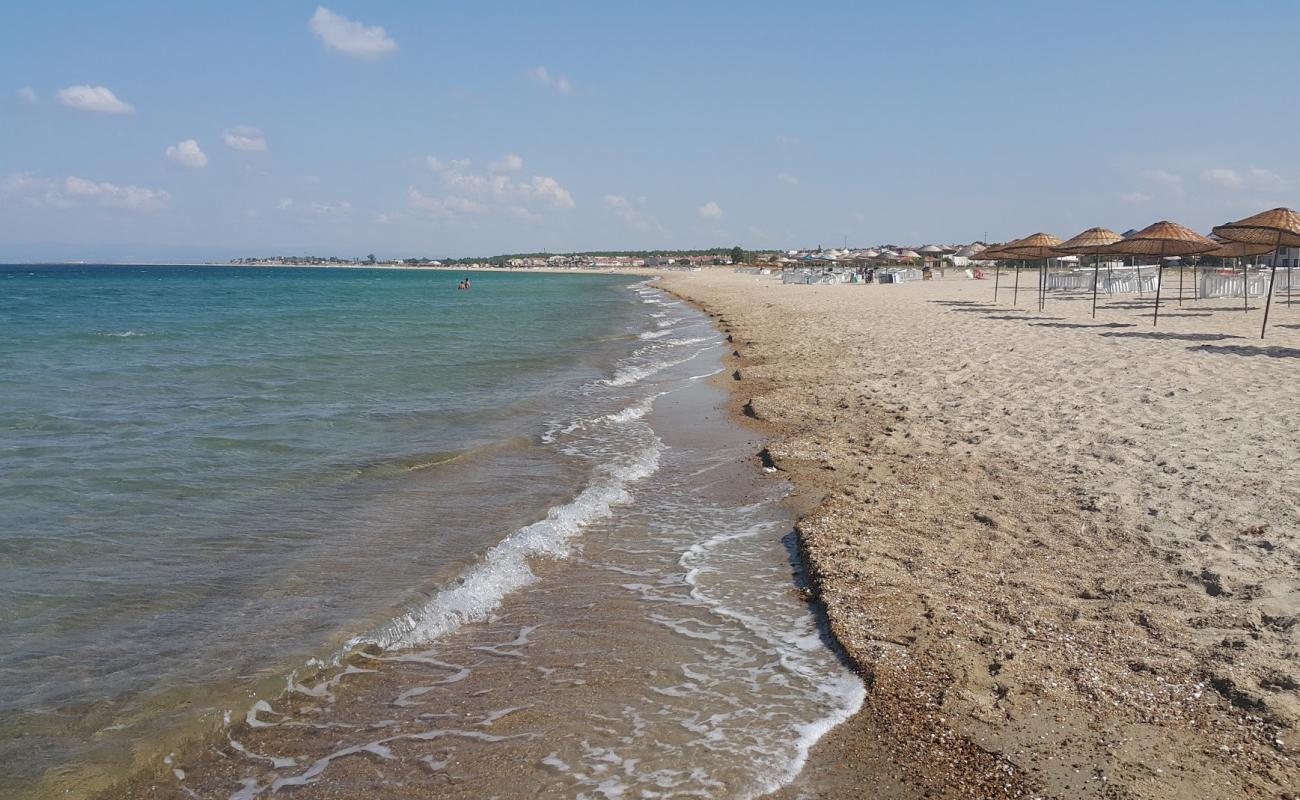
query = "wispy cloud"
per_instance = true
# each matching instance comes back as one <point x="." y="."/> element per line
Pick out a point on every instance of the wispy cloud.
<point x="94" y="98"/>
<point x="187" y="154"/>
<point x="710" y="211"/>
<point x="1161" y="178"/>
<point x="494" y="190"/>
<point x="27" y="94"/>
<point x="787" y="179"/>
<point x="1135" y="198"/>
<point x="543" y="77"/>
<point x="349" y="37"/>
<point x="510" y="163"/>
<point x="1253" y="178"/>
<point x="246" y="138"/>
<point x="342" y="208"/>
<point x="632" y="213"/>
<point x="36" y="191"/>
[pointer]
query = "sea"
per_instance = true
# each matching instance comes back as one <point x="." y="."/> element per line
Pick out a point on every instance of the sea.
<point x="357" y="532"/>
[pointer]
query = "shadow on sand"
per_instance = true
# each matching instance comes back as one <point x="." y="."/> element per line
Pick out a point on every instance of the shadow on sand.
<point x="1247" y="350"/>
<point x="1182" y="337"/>
<point x="1085" y="324"/>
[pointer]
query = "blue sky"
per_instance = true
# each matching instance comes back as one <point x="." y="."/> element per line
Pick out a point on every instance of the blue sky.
<point x="477" y="128"/>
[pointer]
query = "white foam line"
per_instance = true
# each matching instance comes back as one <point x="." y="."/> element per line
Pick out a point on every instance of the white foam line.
<point x="844" y="686"/>
<point x="630" y="414"/>
<point x="505" y="568"/>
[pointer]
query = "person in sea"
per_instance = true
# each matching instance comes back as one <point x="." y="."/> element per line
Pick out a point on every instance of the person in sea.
<point x="464" y="284"/>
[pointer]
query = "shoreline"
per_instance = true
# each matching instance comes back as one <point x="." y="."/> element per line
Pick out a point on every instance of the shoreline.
<point x="1024" y="626"/>
<point x="692" y="408"/>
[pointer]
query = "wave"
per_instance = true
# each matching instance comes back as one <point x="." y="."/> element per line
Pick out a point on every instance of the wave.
<point x="630" y="414"/>
<point x="506" y="567"/>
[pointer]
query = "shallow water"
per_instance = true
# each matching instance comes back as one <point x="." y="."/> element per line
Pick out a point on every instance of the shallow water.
<point x="642" y="637"/>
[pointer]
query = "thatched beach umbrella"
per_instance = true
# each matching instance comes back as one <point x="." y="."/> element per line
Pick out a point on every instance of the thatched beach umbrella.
<point x="1234" y="250"/>
<point x="1280" y="228"/>
<point x="999" y="252"/>
<point x="1161" y="240"/>
<point x="1031" y="248"/>
<point x="1092" y="241"/>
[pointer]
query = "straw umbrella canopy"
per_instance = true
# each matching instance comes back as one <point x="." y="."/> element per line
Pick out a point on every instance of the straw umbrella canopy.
<point x="1279" y="227"/>
<point x="1162" y="239"/>
<point x="1092" y="241"/>
<point x="995" y="253"/>
<point x="1037" y="246"/>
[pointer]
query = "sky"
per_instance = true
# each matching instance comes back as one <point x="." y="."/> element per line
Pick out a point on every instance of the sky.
<point x="170" y="131"/>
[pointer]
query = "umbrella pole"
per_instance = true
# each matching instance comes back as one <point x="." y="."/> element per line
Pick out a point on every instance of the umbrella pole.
<point x="1269" y="301"/>
<point x="1160" y="279"/>
<point x="1015" y="293"/>
<point x="1180" y="282"/>
<point x="1096" y="278"/>
<point x="1272" y="276"/>
<point x="1110" y="279"/>
<point x="1042" y="283"/>
<point x="1138" y="267"/>
<point x="997" y="273"/>
<point x="1245" y="289"/>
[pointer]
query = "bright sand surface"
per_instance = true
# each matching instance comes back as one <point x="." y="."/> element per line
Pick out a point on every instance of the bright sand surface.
<point x="1062" y="551"/>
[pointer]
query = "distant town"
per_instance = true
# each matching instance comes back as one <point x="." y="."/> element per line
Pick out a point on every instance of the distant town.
<point x="956" y="255"/>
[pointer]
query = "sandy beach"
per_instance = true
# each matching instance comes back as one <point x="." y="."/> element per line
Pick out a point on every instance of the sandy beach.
<point x="1061" y="551"/>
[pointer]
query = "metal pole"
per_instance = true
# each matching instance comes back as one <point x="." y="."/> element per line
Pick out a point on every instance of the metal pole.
<point x="1096" y="278"/>
<point x="1160" y="279"/>
<point x="1015" y="294"/>
<point x="997" y="273"/>
<point x="1180" y="280"/>
<point x="1138" y="267"/>
<point x="1271" y="278"/>
<point x="1245" y="289"/>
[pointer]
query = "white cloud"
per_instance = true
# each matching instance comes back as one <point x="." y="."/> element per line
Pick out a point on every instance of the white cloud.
<point x="340" y="209"/>
<point x="1253" y="178"/>
<point x="27" y="94"/>
<point x="350" y="37"/>
<point x="442" y="207"/>
<point x="94" y="98"/>
<point x="285" y="204"/>
<point x="789" y="179"/>
<point x="631" y="213"/>
<point x="1223" y="178"/>
<point x="1135" y="198"/>
<point x="246" y="138"/>
<point x="36" y="191"/>
<point x="710" y="211"/>
<point x="510" y="163"/>
<point x="1160" y="177"/>
<point x="490" y="191"/>
<point x="1265" y="179"/>
<point x="187" y="154"/>
<point x="787" y="141"/>
<point x="543" y="77"/>
<point x="457" y="165"/>
<point x="547" y="191"/>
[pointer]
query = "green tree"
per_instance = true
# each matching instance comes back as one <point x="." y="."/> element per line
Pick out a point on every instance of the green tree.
<point x="737" y="255"/>
<point x="370" y="259"/>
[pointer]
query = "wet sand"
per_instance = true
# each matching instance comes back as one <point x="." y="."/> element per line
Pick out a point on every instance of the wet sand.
<point x="1062" y="552"/>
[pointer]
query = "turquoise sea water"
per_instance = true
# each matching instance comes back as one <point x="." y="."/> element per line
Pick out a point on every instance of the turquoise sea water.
<point x="211" y="474"/>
